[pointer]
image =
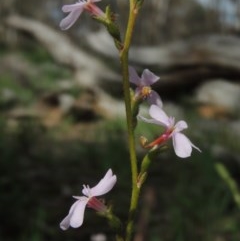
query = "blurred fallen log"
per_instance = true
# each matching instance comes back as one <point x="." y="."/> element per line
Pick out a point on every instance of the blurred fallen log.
<point x="188" y="63"/>
<point x="222" y="51"/>
<point x="183" y="63"/>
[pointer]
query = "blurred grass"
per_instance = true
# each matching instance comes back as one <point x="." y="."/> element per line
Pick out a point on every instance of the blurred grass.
<point x="42" y="75"/>
<point x="24" y="95"/>
<point x="39" y="173"/>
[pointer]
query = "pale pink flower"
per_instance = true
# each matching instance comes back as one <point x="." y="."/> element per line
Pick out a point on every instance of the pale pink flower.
<point x="181" y="144"/>
<point x="76" y="214"/>
<point x="143" y="83"/>
<point x="75" y="10"/>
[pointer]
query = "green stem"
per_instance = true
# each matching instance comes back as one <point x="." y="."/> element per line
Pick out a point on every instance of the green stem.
<point x="130" y="125"/>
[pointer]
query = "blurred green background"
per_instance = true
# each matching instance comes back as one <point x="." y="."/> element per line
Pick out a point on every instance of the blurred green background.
<point x="55" y="136"/>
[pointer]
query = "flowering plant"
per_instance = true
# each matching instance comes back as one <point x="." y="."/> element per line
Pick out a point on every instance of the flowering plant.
<point x="181" y="144"/>
<point x="75" y="10"/>
<point x="144" y="90"/>
<point x="133" y="99"/>
<point x="76" y="213"/>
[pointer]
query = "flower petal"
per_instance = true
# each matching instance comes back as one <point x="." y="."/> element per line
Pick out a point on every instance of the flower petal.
<point x="64" y="225"/>
<point x="151" y="121"/>
<point x="72" y="7"/>
<point x="158" y="114"/>
<point x="154" y="99"/>
<point x="104" y="186"/>
<point x="77" y="216"/>
<point x="72" y="17"/>
<point x="148" y="77"/>
<point x="182" y="145"/>
<point x="138" y="91"/>
<point x="133" y="76"/>
<point x="181" y="125"/>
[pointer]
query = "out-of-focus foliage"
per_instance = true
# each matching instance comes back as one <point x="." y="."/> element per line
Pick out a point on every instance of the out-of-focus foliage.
<point x="41" y="168"/>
